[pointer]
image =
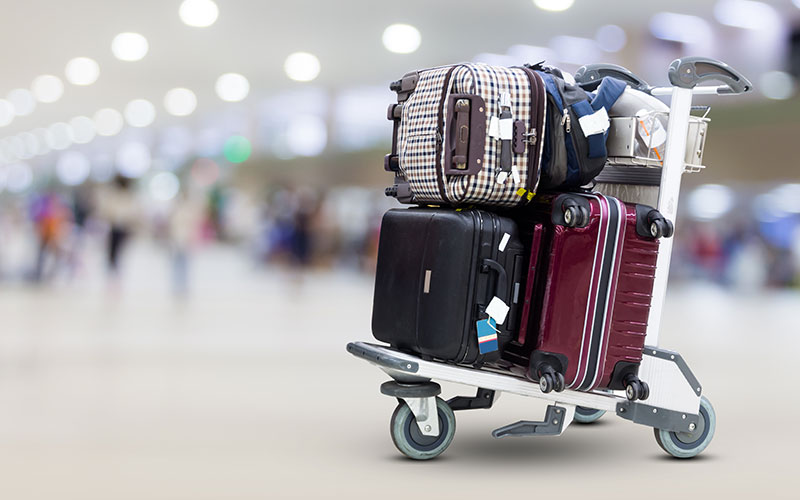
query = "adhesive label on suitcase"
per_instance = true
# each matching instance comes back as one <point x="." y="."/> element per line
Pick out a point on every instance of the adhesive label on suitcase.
<point x="596" y="123"/>
<point x="487" y="336"/>
<point x="497" y="310"/>
<point x="494" y="127"/>
<point x="504" y="242"/>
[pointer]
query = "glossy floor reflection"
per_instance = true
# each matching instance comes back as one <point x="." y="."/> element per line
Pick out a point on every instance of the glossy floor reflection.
<point x="244" y="391"/>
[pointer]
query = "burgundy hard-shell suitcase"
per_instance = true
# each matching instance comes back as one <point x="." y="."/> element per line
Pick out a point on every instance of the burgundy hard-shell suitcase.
<point x="588" y="293"/>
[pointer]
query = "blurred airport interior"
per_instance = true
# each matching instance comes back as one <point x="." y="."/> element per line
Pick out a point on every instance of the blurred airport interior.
<point x="172" y="158"/>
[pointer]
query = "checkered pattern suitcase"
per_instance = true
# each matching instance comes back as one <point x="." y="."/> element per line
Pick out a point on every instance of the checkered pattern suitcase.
<point x="467" y="134"/>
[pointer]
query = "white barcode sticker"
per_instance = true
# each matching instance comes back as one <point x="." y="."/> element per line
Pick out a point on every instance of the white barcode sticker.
<point x="504" y="242"/>
<point x="497" y="310"/>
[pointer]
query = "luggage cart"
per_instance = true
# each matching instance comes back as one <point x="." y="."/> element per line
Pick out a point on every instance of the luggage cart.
<point x="683" y="420"/>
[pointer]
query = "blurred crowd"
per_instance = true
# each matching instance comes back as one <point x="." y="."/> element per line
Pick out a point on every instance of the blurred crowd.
<point x="45" y="235"/>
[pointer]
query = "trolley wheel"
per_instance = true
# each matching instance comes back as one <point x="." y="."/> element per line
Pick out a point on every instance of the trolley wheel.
<point x="633" y="390"/>
<point x="690" y="444"/>
<point x="546" y="383"/>
<point x="411" y="442"/>
<point x="645" y="393"/>
<point x="584" y="415"/>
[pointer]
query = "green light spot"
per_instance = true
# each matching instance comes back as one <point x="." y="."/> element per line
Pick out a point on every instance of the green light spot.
<point x="237" y="149"/>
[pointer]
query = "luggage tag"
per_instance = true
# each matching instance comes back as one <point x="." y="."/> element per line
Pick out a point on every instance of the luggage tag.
<point x="487" y="336"/>
<point x="497" y="310"/>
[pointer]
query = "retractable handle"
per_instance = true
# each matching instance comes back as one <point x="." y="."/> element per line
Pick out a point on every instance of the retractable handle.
<point x="688" y="72"/>
<point x="590" y="76"/>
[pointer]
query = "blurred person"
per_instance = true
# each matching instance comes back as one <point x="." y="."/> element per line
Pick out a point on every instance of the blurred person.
<point x="51" y="218"/>
<point x="183" y="226"/>
<point x="81" y="206"/>
<point x="119" y="207"/>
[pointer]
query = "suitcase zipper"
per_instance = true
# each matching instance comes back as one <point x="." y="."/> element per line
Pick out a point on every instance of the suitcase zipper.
<point x="565" y="121"/>
<point x="440" y="136"/>
<point x="538" y="115"/>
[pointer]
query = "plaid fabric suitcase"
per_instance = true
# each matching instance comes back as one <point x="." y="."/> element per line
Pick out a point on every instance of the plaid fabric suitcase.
<point x="588" y="293"/>
<point x="438" y="271"/>
<point x="467" y="134"/>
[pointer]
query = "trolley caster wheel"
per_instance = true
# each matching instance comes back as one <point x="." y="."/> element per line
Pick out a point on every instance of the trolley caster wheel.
<point x="659" y="226"/>
<point x="689" y="444"/>
<point x="546" y="383"/>
<point x="645" y="390"/>
<point x="585" y="415"/>
<point x="633" y="390"/>
<point x="411" y="442"/>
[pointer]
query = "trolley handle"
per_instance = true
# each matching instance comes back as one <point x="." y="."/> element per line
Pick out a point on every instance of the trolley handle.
<point x="590" y="76"/>
<point x="688" y="72"/>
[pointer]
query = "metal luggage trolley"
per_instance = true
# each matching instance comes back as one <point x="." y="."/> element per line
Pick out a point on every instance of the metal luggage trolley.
<point x="423" y="424"/>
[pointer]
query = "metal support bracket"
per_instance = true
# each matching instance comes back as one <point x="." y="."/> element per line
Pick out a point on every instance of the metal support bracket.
<point x="425" y="413"/>
<point x="485" y="398"/>
<point x="659" y="418"/>
<point x="556" y="419"/>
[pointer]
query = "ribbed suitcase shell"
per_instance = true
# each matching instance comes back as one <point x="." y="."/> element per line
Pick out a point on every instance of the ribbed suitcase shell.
<point x="597" y="289"/>
<point x="431" y="287"/>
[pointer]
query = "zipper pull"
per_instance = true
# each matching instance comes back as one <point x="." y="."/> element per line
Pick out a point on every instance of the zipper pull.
<point x="530" y="137"/>
<point x="565" y="121"/>
<point x="439" y="139"/>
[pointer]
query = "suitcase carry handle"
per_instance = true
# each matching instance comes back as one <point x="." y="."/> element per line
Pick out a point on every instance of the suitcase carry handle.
<point x="688" y="72"/>
<point x="502" y="278"/>
<point x="590" y="76"/>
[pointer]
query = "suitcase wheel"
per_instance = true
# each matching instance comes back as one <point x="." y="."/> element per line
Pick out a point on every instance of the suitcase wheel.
<point x="659" y="226"/>
<point x="550" y="380"/>
<point x="584" y="415"/>
<point x="636" y="389"/>
<point x="690" y="444"/>
<point x="411" y="442"/>
<point x="576" y="216"/>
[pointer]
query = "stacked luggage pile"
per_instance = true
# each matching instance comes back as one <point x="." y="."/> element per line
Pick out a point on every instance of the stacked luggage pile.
<point x="532" y="245"/>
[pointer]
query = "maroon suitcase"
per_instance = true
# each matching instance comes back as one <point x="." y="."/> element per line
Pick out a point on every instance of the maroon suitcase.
<point x="588" y="292"/>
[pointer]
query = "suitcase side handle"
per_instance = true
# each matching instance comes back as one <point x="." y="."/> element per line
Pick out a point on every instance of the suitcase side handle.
<point x="501" y="290"/>
<point x="590" y="76"/>
<point x="688" y="72"/>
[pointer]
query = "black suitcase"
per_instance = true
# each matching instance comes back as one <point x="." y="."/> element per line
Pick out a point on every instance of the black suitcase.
<point x="437" y="271"/>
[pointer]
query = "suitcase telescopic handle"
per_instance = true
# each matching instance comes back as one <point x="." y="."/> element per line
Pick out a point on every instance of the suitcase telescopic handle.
<point x="501" y="289"/>
<point x="688" y="72"/>
<point x="590" y="76"/>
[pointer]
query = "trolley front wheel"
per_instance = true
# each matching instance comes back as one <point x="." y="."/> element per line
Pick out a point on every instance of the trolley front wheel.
<point x="411" y="442"/>
<point x="690" y="444"/>
<point x="585" y="415"/>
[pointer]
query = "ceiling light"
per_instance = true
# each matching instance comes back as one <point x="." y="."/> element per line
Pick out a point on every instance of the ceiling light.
<point x="554" y="5"/>
<point x="73" y="168"/>
<point x="22" y="100"/>
<point x="611" y="38"/>
<point x="198" y="13"/>
<point x="83" y="129"/>
<point x="777" y="85"/>
<point x="60" y="136"/>
<point x="746" y="14"/>
<point x="180" y="102"/>
<point x="43" y="136"/>
<point x="30" y="143"/>
<point x="133" y="159"/>
<point x="307" y="135"/>
<point x="164" y="186"/>
<point x="6" y="112"/>
<point x="129" y="46"/>
<point x="710" y="201"/>
<point x="401" y="38"/>
<point x="82" y="71"/>
<point x="47" y="88"/>
<point x="140" y="113"/>
<point x="108" y="122"/>
<point x="19" y="177"/>
<point x="302" y="66"/>
<point x="680" y="28"/>
<point x="232" y="87"/>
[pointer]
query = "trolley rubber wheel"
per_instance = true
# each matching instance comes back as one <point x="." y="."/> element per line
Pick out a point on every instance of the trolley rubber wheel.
<point x="411" y="442"/>
<point x="584" y="415"/>
<point x="690" y="444"/>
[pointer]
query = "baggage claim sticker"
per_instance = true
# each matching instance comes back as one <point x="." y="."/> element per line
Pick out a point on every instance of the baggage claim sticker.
<point x="487" y="335"/>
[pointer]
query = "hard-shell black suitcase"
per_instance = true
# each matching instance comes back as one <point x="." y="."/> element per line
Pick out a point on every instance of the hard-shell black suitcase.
<point x="438" y="270"/>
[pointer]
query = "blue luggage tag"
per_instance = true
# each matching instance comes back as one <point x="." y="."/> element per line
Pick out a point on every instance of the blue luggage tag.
<point x="487" y="335"/>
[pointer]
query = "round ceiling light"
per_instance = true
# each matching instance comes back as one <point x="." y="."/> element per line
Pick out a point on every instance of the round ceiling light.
<point x="82" y="71"/>
<point x="302" y="66"/>
<point x="47" y="88"/>
<point x="108" y="122"/>
<point x="140" y="113"/>
<point x="72" y="168"/>
<point x="22" y="100"/>
<point x="198" y="13"/>
<point x="6" y="112"/>
<point x="232" y="87"/>
<point x="129" y="46"/>
<point x="401" y="38"/>
<point x="554" y="5"/>
<point x="83" y="129"/>
<point x="180" y="102"/>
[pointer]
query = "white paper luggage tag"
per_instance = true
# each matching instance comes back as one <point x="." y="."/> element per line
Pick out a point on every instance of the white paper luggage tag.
<point x="494" y="127"/>
<point x="497" y="310"/>
<point x="596" y="123"/>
